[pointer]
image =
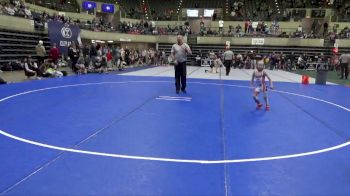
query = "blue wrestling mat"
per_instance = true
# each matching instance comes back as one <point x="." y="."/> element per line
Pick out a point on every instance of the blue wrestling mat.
<point x="125" y="135"/>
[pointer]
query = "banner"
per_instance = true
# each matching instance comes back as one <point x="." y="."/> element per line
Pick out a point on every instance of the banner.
<point x="63" y="35"/>
<point x="228" y="45"/>
<point x="258" y="41"/>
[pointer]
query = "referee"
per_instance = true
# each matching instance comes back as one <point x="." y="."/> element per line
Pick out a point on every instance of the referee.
<point x="228" y="58"/>
<point x="344" y="65"/>
<point x="179" y="53"/>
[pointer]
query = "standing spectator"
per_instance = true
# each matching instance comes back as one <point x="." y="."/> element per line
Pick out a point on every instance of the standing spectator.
<point x="325" y="29"/>
<point x="40" y="52"/>
<point x="246" y="24"/>
<point x="273" y="61"/>
<point x="73" y="53"/>
<point x="109" y="57"/>
<point x="86" y="50"/>
<point x="214" y="16"/>
<point x="122" y="56"/>
<point x="162" y="58"/>
<point x="27" y="12"/>
<point x="300" y="29"/>
<point x="344" y="65"/>
<point x="93" y="53"/>
<point x="127" y="55"/>
<point x="228" y="58"/>
<point x="221" y="26"/>
<point x="54" y="54"/>
<point x="179" y="53"/>
<point x="250" y="27"/>
<point x="116" y="56"/>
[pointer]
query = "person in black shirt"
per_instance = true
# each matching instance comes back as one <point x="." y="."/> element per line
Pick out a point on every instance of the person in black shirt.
<point x="93" y="52"/>
<point x="73" y="53"/>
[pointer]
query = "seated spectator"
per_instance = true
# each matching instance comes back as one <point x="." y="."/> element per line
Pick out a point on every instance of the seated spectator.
<point x="53" y="73"/>
<point x="2" y="9"/>
<point x="9" y="9"/>
<point x="300" y="29"/>
<point x="301" y="62"/>
<point x="238" y="29"/>
<point x="97" y="66"/>
<point x="80" y="66"/>
<point x="31" y="68"/>
<point x="28" y="13"/>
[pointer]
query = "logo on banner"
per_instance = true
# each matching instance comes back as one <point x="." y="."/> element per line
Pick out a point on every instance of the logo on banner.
<point x="66" y="32"/>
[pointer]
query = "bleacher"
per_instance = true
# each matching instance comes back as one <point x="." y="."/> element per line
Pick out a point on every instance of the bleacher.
<point x="60" y="5"/>
<point x="16" y="45"/>
<point x="160" y="8"/>
<point x="126" y="6"/>
<point x="261" y="50"/>
<point x="203" y="4"/>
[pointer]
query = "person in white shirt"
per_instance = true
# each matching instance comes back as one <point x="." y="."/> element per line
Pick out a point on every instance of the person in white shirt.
<point x="27" y="12"/>
<point x="179" y="53"/>
<point x="10" y="10"/>
<point x="221" y="25"/>
<point x="300" y="29"/>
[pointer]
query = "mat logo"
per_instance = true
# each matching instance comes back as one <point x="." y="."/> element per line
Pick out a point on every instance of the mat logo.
<point x="169" y="98"/>
<point x="66" y="32"/>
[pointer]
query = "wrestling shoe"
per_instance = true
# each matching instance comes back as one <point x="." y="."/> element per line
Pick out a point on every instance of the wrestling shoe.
<point x="258" y="106"/>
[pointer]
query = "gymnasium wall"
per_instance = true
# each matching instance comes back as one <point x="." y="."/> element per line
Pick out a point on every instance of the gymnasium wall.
<point x="267" y="41"/>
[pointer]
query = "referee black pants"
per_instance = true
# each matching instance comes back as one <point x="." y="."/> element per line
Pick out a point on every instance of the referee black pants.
<point x="180" y="76"/>
<point x="344" y="70"/>
<point x="228" y="64"/>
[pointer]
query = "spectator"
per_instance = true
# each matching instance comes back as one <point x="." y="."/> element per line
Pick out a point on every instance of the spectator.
<point x="221" y="26"/>
<point x="93" y="52"/>
<point x="54" y="54"/>
<point x="31" y="68"/>
<point x="10" y="10"/>
<point x="116" y="56"/>
<point x="300" y="29"/>
<point x="214" y="16"/>
<point x="80" y="65"/>
<point x="325" y="29"/>
<point x="28" y="13"/>
<point x="40" y="52"/>
<point x="73" y="53"/>
<point x="86" y="50"/>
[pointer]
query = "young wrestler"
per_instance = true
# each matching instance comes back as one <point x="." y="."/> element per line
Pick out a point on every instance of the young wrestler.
<point x="217" y="63"/>
<point x="259" y="85"/>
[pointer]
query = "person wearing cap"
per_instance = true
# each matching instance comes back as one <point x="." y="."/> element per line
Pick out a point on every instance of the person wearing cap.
<point x="228" y="59"/>
<point x="179" y="53"/>
<point x="258" y="83"/>
<point x="40" y="52"/>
